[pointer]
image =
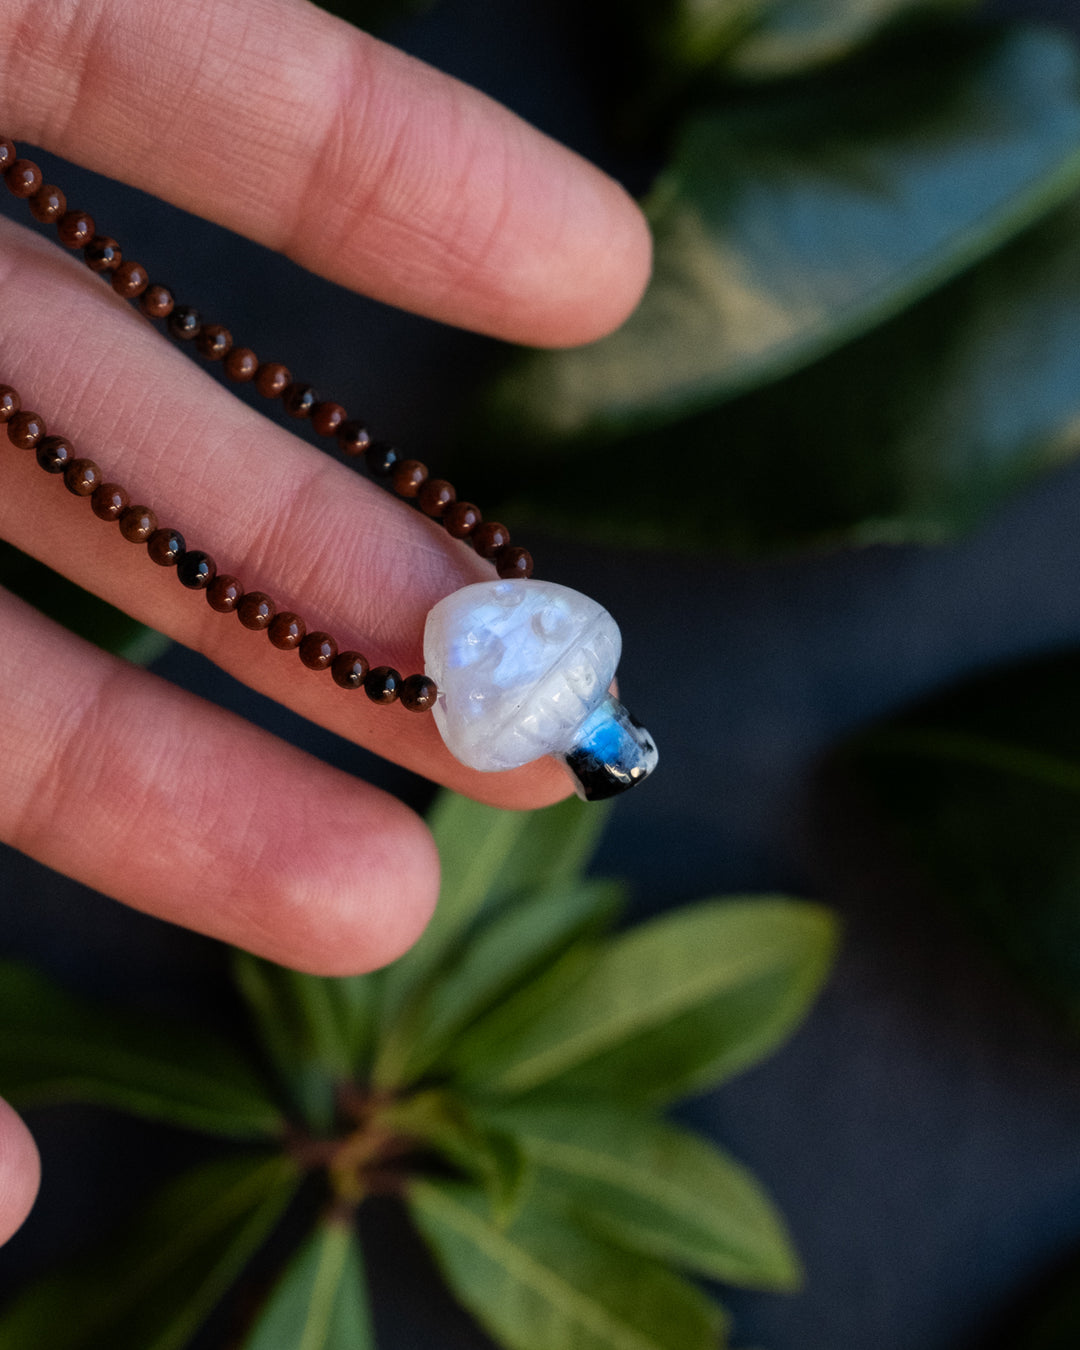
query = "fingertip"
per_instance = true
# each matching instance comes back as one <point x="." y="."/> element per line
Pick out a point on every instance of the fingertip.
<point x="20" y="1172"/>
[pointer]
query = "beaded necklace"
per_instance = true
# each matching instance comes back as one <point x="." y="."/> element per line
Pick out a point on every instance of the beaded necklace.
<point x="516" y="668"/>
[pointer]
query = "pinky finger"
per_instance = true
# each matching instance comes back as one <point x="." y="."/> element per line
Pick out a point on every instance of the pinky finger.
<point x="20" y="1172"/>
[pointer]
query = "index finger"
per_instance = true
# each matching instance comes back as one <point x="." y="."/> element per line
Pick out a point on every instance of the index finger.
<point x="292" y="127"/>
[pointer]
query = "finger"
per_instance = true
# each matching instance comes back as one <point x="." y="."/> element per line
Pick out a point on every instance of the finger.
<point x="272" y="510"/>
<point x="297" y="130"/>
<point x="20" y="1172"/>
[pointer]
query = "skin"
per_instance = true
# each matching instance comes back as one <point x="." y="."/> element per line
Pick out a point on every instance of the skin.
<point x="288" y="126"/>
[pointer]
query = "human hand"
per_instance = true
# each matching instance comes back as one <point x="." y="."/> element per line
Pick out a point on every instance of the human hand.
<point x="288" y="126"/>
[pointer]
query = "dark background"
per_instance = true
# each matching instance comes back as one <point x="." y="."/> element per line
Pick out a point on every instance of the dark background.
<point x="922" y="1131"/>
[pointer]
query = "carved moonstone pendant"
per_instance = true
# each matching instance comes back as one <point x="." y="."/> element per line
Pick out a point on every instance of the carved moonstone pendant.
<point x="523" y="670"/>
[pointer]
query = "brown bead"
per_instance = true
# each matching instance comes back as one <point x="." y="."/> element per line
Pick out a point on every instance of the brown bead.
<point x="327" y="417"/>
<point x="224" y="594"/>
<point x="418" y="693"/>
<point x="409" y="477"/>
<point x="130" y="280"/>
<point x="349" y="670"/>
<point x="8" y="154"/>
<point x="272" y="379"/>
<point x="383" y="684"/>
<point x="353" y="438"/>
<point x="513" y="562"/>
<point x="109" y="501"/>
<point x="76" y="228"/>
<point x="25" y="429"/>
<point x="185" y="323"/>
<point x="489" y="537"/>
<point x="214" y="342"/>
<point x="23" y="178"/>
<point x="461" y="519"/>
<point x="317" y="651"/>
<point x="195" y="569"/>
<point x="380" y="459"/>
<point x="137" y="524"/>
<point x="255" y="610"/>
<point x="103" y="254"/>
<point x="82" y="477"/>
<point x="54" y="454"/>
<point x="299" y="399"/>
<point x="287" y="631"/>
<point x="435" y="496"/>
<point x="166" y="546"/>
<point x="10" y="402"/>
<point x="241" y="364"/>
<point x="48" y="204"/>
<point x="157" y="302"/>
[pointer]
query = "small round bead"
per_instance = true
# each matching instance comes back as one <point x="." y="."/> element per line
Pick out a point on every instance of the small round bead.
<point x="109" y="501"/>
<point x="8" y="153"/>
<point x="514" y="562"/>
<point x="9" y="402"/>
<point x="489" y="537"/>
<point x="349" y="670"/>
<point x="130" y="280"/>
<point x="137" y="524"/>
<point x="380" y="459"/>
<point x="25" y="429"/>
<point x="166" y="547"/>
<point x="409" y="477"/>
<point x="103" y="254"/>
<point x="461" y="519"/>
<point x="23" y="178"/>
<point x="435" y="496"/>
<point x="76" y="229"/>
<point x="299" y="399"/>
<point x="196" y="570"/>
<point x="224" y="594"/>
<point x="287" y="631"/>
<point x="326" y="418"/>
<point x="272" y="379"/>
<point x="185" y="323"/>
<point x="317" y="651"/>
<point x="418" y="693"/>
<point x="157" y="302"/>
<point x="48" y="204"/>
<point x="383" y="684"/>
<point x="214" y="342"/>
<point x="82" y="478"/>
<point x="241" y="364"/>
<point x="54" y="454"/>
<point x="255" y="610"/>
<point x="353" y="438"/>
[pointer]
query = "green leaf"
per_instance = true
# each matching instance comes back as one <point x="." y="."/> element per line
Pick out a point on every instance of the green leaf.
<point x="984" y="780"/>
<point x="673" y="1006"/>
<point x="786" y="228"/>
<point x="546" y="1284"/>
<point x="55" y="1047"/>
<point x="151" y="1287"/>
<point x="658" y="1190"/>
<point x="321" y="1301"/>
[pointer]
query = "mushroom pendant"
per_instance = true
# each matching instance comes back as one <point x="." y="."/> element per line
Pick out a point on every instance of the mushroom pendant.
<point x="523" y="670"/>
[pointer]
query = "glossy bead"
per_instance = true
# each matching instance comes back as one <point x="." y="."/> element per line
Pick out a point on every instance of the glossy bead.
<point x="157" y="302"/>
<point x="166" y="547"/>
<point x="103" y="254"/>
<point x="196" y="570"/>
<point x="409" y="477"/>
<point x="214" y="342"/>
<point x="380" y="459"/>
<point x="130" y="280"/>
<point x="241" y="364"/>
<point x="353" y="438"/>
<point x="513" y="562"/>
<point x="461" y="519"/>
<point x="287" y="631"/>
<point x="418" y="693"/>
<point x="349" y="670"/>
<point x="137" y="524"/>
<point x="489" y="538"/>
<point x="109" y="501"/>
<point x="25" y="429"/>
<point x="383" y="684"/>
<point x="23" y="178"/>
<point x="298" y="399"/>
<point x="82" y="477"/>
<point x="317" y="651"/>
<point x="224" y="594"/>
<point x="185" y="323"/>
<point x="48" y="204"/>
<point x="76" y="228"/>
<point x="8" y="154"/>
<point x="326" y="418"/>
<point x="435" y="496"/>
<point x="54" y="454"/>
<point x="255" y="610"/>
<point x="272" y="379"/>
<point x="9" y="402"/>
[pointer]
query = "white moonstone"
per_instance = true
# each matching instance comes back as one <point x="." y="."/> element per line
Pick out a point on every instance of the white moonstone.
<point x="520" y="665"/>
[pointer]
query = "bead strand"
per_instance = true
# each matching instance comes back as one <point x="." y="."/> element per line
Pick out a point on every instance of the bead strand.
<point x="197" y="570"/>
<point x="409" y="478"/>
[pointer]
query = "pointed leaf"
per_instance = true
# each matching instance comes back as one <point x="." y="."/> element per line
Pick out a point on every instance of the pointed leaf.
<point x="151" y="1286"/>
<point x="321" y="1301"/>
<point x="55" y="1047"/>
<point x="546" y="1284"/>
<point x="671" y="1007"/>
